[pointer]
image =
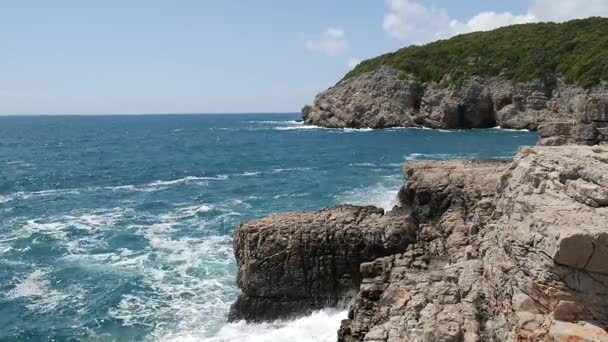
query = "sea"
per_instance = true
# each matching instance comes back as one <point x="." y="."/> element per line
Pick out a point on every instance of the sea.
<point x="119" y="228"/>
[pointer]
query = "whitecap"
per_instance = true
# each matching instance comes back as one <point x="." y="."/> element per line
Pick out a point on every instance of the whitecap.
<point x="41" y="297"/>
<point x="365" y="129"/>
<point x="189" y="179"/>
<point x="321" y="326"/>
<point x="382" y="194"/>
<point x="249" y="174"/>
<point x="278" y="170"/>
<point x="304" y="194"/>
<point x="289" y="128"/>
<point x="183" y="299"/>
<point x="278" y="122"/>
<point x="498" y="128"/>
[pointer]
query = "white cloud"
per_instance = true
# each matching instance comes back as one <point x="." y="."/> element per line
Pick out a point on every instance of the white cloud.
<point x="563" y="10"/>
<point x="332" y="42"/>
<point x="353" y="62"/>
<point x="411" y="21"/>
<point x="414" y="22"/>
<point x="486" y="21"/>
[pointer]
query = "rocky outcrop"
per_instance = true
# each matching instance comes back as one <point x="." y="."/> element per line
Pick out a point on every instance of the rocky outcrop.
<point x="562" y="113"/>
<point x="299" y="262"/>
<point x="475" y="251"/>
<point x="516" y="256"/>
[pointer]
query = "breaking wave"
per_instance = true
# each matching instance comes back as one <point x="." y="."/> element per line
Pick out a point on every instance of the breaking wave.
<point x="321" y="326"/>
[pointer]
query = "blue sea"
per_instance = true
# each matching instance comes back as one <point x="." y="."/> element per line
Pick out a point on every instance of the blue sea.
<point x="119" y="228"/>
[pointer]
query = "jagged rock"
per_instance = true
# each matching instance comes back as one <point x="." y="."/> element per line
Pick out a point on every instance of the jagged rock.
<point x="303" y="261"/>
<point x="533" y="269"/>
<point x="385" y="97"/>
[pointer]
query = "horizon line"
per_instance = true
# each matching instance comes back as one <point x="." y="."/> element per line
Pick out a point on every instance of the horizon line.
<point x="144" y="114"/>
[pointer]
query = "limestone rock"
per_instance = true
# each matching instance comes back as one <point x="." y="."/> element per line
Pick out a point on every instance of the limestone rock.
<point x="474" y="251"/>
<point x="533" y="269"/>
<point x="563" y="113"/>
<point x="303" y="261"/>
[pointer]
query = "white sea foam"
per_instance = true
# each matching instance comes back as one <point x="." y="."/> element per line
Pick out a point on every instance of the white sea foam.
<point x="365" y="129"/>
<point x="278" y="170"/>
<point x="5" y="198"/>
<point x="192" y="280"/>
<point x="274" y="122"/>
<point x="145" y="187"/>
<point x="36" y="288"/>
<point x="382" y="194"/>
<point x="321" y="326"/>
<point x="304" y="194"/>
<point x="188" y="180"/>
<point x="249" y="174"/>
<point x="510" y="129"/>
<point x="298" y="127"/>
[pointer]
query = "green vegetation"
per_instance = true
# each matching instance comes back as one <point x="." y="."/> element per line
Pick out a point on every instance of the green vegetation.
<point x="577" y="50"/>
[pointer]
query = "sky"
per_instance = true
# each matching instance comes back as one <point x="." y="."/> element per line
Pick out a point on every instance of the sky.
<point x="221" y="56"/>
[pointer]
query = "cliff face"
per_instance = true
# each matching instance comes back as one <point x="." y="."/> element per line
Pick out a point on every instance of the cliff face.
<point x="382" y="98"/>
<point x="517" y="257"/>
<point x="476" y="251"/>
<point x="296" y="263"/>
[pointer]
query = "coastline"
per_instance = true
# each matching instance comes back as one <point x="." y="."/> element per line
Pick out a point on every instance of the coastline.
<point x="470" y="223"/>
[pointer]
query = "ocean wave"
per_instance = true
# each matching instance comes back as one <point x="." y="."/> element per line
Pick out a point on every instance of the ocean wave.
<point x="189" y="179"/>
<point x="437" y="156"/>
<point x="304" y="194"/>
<point x="145" y="187"/>
<point x="279" y="170"/>
<point x="299" y="127"/>
<point x="40" y="295"/>
<point x="192" y="282"/>
<point x="382" y="194"/>
<point x="20" y="163"/>
<point x="249" y="174"/>
<point x="498" y="128"/>
<point x="278" y="122"/>
<point x="320" y="326"/>
<point x="364" y="129"/>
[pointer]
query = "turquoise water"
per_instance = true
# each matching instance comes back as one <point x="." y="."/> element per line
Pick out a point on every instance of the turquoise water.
<point x="118" y="228"/>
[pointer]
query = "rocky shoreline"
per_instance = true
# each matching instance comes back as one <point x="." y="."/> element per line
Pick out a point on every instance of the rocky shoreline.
<point x="563" y="113"/>
<point x="474" y="251"/>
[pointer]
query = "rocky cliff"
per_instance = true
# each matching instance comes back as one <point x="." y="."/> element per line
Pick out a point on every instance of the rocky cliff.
<point x="475" y="251"/>
<point x="545" y="76"/>
<point x="562" y="113"/>
<point x="295" y="263"/>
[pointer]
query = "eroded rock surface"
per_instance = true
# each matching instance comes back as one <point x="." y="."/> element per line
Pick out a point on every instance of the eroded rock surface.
<point x="295" y="263"/>
<point x="562" y="113"/>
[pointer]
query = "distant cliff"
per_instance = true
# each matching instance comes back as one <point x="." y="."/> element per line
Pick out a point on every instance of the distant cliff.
<point x="547" y="77"/>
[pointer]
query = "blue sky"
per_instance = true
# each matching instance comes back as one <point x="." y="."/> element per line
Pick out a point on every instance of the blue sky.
<point x="216" y="56"/>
